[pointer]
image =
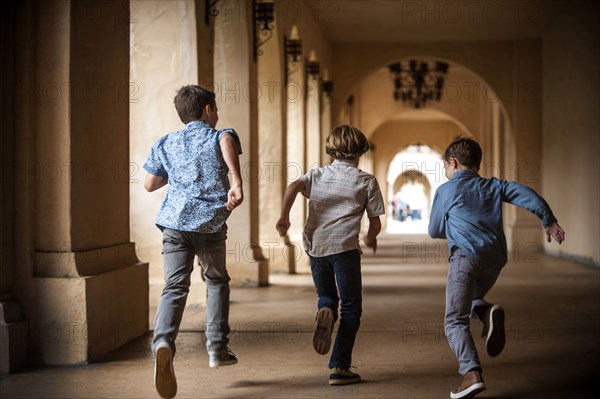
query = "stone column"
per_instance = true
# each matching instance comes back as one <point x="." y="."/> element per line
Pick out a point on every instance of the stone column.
<point x="236" y="86"/>
<point x="313" y="124"/>
<point x="296" y="154"/>
<point x="87" y="292"/>
<point x="272" y="155"/>
<point x="526" y="125"/>
<point x="13" y="327"/>
<point x="156" y="27"/>
<point x="325" y="122"/>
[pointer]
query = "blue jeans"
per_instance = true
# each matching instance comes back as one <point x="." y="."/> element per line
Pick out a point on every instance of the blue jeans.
<point x="179" y="250"/>
<point x="468" y="282"/>
<point x="345" y="269"/>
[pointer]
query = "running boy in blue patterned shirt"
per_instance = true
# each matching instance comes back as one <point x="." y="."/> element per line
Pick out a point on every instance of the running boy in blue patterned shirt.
<point x="338" y="194"/>
<point x="194" y="162"/>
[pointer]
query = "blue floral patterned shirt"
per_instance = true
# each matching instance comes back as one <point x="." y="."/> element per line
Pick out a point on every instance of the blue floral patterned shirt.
<point x="198" y="184"/>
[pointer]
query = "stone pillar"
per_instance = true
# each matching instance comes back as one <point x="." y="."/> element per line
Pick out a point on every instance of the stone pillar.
<point x="272" y="155"/>
<point x="13" y="327"/>
<point x="205" y="44"/>
<point x="296" y="153"/>
<point x="526" y="119"/>
<point x="236" y="85"/>
<point x="325" y="124"/>
<point x="156" y="26"/>
<point x="89" y="292"/>
<point x="313" y="124"/>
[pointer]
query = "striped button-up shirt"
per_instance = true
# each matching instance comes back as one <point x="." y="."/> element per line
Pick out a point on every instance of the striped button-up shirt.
<point x="338" y="194"/>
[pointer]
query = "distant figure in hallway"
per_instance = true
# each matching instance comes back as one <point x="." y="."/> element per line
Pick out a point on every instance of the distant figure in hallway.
<point x="338" y="194"/>
<point x="467" y="210"/>
<point x="194" y="162"/>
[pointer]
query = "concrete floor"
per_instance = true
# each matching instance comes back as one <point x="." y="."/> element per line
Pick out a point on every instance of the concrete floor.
<point x="553" y="338"/>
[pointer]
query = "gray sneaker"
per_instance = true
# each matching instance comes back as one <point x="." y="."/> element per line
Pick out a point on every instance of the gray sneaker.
<point x="217" y="359"/>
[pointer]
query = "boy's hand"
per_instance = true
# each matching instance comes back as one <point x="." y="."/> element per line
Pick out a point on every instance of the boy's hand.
<point x="371" y="242"/>
<point x="282" y="226"/>
<point x="235" y="197"/>
<point x="555" y="231"/>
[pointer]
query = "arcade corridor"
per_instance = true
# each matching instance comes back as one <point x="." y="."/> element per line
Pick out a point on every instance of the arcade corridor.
<point x="88" y="87"/>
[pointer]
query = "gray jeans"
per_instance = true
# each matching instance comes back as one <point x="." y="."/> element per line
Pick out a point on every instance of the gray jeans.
<point x="179" y="250"/>
<point x="468" y="282"/>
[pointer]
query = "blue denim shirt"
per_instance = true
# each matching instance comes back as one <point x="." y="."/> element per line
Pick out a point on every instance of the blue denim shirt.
<point x="198" y="184"/>
<point x="467" y="210"/>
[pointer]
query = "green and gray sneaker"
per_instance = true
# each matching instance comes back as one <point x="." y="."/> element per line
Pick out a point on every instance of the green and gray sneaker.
<point x="342" y="377"/>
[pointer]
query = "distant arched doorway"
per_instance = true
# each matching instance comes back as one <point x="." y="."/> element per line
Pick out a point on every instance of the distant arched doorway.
<point x="413" y="175"/>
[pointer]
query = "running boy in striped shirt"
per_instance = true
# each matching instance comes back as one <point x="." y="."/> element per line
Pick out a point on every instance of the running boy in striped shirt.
<point x="338" y="195"/>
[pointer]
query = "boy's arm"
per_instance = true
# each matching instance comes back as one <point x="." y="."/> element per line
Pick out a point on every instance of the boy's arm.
<point x="524" y="197"/>
<point x="370" y="239"/>
<point x="283" y="224"/>
<point x="437" y="219"/>
<point x="154" y="182"/>
<point x="230" y="151"/>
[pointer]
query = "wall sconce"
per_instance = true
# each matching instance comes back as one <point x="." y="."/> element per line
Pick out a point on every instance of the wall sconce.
<point x="292" y="51"/>
<point x="262" y="22"/>
<point x="418" y="82"/>
<point x="312" y="65"/>
<point x="209" y="10"/>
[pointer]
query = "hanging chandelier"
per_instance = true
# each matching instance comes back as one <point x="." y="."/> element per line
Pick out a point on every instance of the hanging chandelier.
<point x="418" y="82"/>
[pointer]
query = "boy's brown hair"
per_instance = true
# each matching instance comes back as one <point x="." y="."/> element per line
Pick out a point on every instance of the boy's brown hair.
<point x="466" y="150"/>
<point x="346" y="142"/>
<point x="190" y="102"/>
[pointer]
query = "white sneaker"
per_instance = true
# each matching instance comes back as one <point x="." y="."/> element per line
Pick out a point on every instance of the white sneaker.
<point x="164" y="374"/>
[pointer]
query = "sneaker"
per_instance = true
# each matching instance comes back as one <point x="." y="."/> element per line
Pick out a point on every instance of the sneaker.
<point x="217" y="359"/>
<point x="342" y="377"/>
<point x="493" y="330"/>
<point x="164" y="374"/>
<point x="472" y="385"/>
<point x="323" y="329"/>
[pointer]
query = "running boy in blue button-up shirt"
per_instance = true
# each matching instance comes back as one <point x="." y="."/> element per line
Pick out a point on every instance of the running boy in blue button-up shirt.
<point x="467" y="210"/>
<point x="195" y="163"/>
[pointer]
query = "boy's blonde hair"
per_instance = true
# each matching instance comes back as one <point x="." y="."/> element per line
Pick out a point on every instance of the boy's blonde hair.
<point x="346" y="142"/>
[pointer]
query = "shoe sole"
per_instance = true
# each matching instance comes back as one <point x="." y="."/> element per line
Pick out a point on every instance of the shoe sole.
<point x="344" y="381"/>
<point x="494" y="343"/>
<point x="323" y="328"/>
<point x="222" y="364"/>
<point x="164" y="375"/>
<point x="470" y="392"/>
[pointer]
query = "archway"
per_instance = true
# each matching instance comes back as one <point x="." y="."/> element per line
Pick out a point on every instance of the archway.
<point x="469" y="106"/>
<point x="413" y="176"/>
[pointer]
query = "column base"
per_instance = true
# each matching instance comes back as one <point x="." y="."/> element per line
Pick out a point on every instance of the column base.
<point x="13" y="337"/>
<point x="247" y="267"/>
<point x="525" y="234"/>
<point x="115" y="312"/>
<point x="282" y="257"/>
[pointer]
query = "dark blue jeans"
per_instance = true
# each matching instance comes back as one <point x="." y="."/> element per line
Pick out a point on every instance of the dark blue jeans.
<point x="345" y="269"/>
